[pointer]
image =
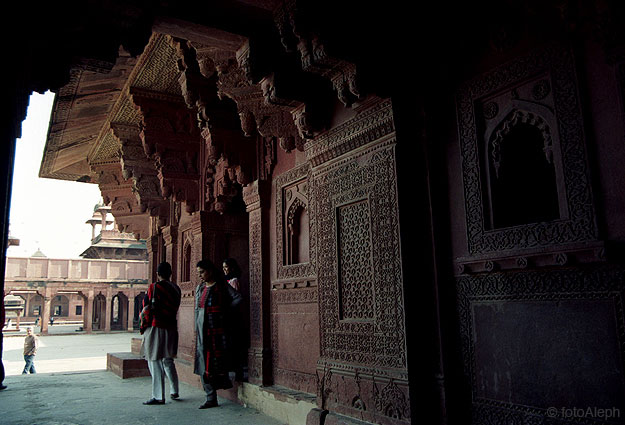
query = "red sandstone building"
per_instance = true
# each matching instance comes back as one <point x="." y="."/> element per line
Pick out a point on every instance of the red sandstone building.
<point x="102" y="291"/>
<point x="426" y="199"/>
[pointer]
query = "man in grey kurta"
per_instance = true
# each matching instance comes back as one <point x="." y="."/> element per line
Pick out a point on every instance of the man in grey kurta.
<point x="160" y="340"/>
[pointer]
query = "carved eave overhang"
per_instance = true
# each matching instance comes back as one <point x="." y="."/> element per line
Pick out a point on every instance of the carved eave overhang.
<point x="80" y="109"/>
<point x="96" y="132"/>
<point x="79" y="134"/>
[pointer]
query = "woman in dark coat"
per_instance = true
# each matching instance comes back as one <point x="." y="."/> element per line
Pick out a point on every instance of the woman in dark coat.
<point x="213" y="300"/>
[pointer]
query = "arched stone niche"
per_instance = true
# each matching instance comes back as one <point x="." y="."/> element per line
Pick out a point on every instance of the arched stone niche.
<point x="523" y="166"/>
<point x="535" y="97"/>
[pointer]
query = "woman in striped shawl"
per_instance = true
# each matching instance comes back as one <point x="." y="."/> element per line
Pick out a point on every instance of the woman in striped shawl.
<point x="213" y="300"/>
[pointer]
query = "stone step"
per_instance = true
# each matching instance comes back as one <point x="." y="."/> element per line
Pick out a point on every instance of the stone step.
<point x="127" y="365"/>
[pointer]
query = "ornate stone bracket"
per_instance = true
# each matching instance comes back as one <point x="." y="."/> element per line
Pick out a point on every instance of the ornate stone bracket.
<point x="137" y="166"/>
<point x="172" y="140"/>
<point x="297" y="34"/>
<point x="278" y="104"/>
<point x="117" y="191"/>
<point x="227" y="158"/>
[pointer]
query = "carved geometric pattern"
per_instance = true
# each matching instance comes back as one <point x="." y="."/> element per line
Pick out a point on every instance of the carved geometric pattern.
<point x="355" y="268"/>
<point x="159" y="71"/>
<point x="557" y="62"/>
<point x="108" y="149"/>
<point x="299" y="296"/>
<point x="381" y="340"/>
<point x="604" y="282"/>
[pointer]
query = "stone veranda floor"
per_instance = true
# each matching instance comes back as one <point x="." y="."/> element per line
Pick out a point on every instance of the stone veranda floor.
<point x="71" y="395"/>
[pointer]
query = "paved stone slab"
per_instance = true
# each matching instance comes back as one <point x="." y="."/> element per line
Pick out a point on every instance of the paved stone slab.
<point x="100" y="397"/>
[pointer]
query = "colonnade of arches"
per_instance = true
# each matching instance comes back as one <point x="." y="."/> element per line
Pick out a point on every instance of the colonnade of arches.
<point x="98" y="310"/>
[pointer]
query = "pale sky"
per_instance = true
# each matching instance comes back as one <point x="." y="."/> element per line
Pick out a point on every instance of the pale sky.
<point x="47" y="214"/>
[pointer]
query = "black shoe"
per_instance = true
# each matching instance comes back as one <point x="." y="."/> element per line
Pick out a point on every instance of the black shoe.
<point x="153" y="401"/>
<point x="3" y="387"/>
<point x="174" y="396"/>
<point x="209" y="404"/>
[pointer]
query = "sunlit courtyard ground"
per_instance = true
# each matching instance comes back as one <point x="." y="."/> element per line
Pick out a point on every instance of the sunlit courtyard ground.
<point x="64" y="351"/>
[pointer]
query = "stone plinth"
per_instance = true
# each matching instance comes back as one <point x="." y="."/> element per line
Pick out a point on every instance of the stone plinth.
<point x="127" y="365"/>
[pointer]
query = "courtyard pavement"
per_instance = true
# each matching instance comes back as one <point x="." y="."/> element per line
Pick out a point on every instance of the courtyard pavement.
<point x="72" y="387"/>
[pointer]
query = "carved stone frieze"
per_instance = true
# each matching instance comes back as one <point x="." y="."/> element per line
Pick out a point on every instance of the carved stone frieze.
<point x="590" y="252"/>
<point x="554" y="100"/>
<point x="266" y="156"/>
<point x="375" y="123"/>
<point x="370" y="394"/>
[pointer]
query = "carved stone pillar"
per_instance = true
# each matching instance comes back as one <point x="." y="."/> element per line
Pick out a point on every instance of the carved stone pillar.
<point x="45" y="317"/>
<point x="88" y="316"/>
<point x="153" y="260"/>
<point x="170" y="237"/>
<point x="109" y="311"/>
<point x="131" y="309"/>
<point x="256" y="196"/>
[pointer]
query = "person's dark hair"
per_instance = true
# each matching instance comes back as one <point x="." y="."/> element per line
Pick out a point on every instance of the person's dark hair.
<point x="233" y="268"/>
<point x="164" y="270"/>
<point x="209" y="266"/>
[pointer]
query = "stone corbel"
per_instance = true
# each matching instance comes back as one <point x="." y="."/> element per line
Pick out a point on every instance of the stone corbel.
<point x="297" y="34"/>
<point x="346" y="84"/>
<point x="246" y="63"/>
<point x="138" y="167"/>
<point x="172" y="140"/>
<point x="287" y="97"/>
<point x="117" y="192"/>
<point x="197" y="80"/>
<point x="275" y="93"/>
<point x="304" y="122"/>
